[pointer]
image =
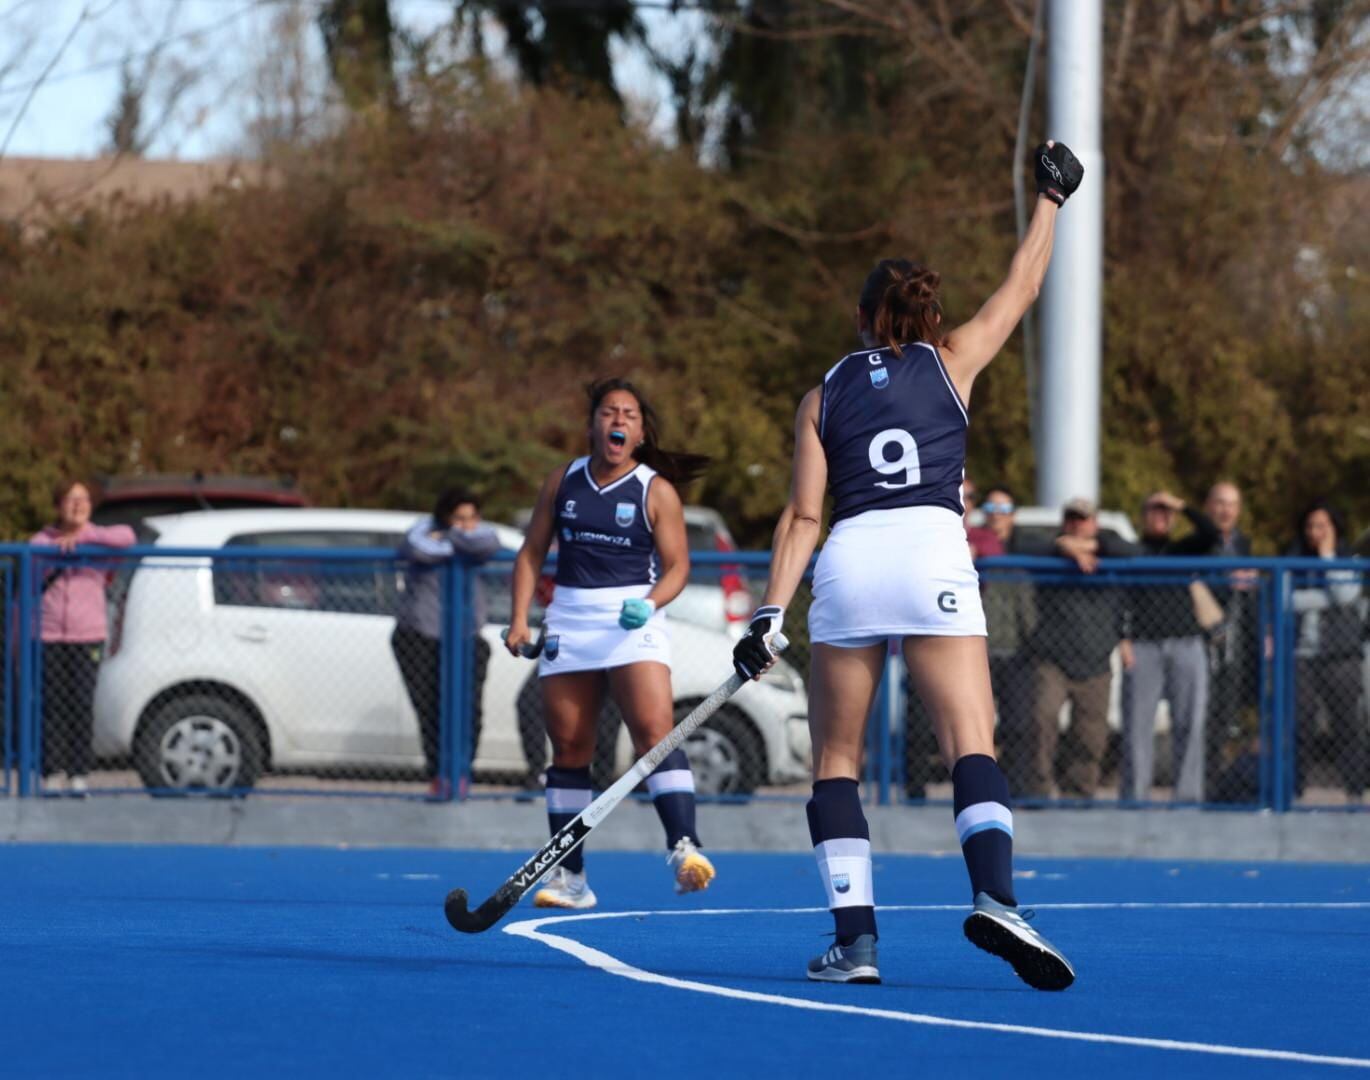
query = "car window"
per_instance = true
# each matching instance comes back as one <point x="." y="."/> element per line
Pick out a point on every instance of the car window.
<point x="358" y="588"/>
<point x="700" y="536"/>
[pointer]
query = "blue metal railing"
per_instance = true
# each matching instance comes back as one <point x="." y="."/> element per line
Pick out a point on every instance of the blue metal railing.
<point x="22" y="568"/>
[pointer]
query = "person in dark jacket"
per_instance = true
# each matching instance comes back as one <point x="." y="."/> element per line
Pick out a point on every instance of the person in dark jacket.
<point x="1165" y="656"/>
<point x="1078" y="628"/>
<point x="454" y="529"/>
<point x="1330" y="610"/>
<point x="1234" y="652"/>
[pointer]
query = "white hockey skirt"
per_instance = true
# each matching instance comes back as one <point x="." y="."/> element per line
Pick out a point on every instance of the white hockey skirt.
<point x="583" y="632"/>
<point x="895" y="573"/>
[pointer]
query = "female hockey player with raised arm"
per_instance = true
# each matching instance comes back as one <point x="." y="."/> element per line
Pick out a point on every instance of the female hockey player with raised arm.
<point x="622" y="557"/>
<point x="886" y="434"/>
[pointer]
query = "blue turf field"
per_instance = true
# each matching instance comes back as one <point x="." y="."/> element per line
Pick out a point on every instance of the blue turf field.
<point x="207" y="962"/>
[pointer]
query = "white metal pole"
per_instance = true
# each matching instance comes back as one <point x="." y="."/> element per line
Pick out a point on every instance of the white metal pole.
<point x="1071" y="307"/>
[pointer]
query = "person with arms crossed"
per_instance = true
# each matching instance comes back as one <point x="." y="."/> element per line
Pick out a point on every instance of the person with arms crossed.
<point x="74" y="626"/>
<point x="886" y="433"/>
<point x="622" y="557"/>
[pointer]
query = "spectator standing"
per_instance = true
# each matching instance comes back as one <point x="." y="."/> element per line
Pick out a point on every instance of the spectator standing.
<point x="74" y="629"/>
<point x="1327" y="650"/>
<point x="454" y="529"/>
<point x="1011" y="616"/>
<point x="1078" y="628"/>
<point x="1165" y="656"/>
<point x="1234" y="653"/>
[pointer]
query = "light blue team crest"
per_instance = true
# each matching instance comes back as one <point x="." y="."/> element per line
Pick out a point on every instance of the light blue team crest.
<point x="567" y="535"/>
<point x="880" y="378"/>
<point x="842" y="882"/>
<point x="625" y="514"/>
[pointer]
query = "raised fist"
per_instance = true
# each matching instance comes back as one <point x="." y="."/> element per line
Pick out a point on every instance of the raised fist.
<point x="1058" y="171"/>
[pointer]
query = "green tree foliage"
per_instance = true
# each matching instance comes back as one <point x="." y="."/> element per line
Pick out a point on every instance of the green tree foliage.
<point x="420" y="299"/>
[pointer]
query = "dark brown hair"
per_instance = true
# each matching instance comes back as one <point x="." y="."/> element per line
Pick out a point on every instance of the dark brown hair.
<point x="900" y="303"/>
<point x="679" y="467"/>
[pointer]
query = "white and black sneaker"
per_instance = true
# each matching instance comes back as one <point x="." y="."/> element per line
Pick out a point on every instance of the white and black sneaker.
<point x="1004" y="932"/>
<point x="563" y="888"/>
<point x="854" y="963"/>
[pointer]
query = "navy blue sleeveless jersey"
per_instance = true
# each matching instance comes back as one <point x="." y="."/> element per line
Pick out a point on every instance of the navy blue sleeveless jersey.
<point x="894" y="432"/>
<point x="604" y="540"/>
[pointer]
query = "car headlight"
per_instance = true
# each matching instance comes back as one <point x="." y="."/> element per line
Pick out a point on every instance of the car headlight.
<point x="784" y="677"/>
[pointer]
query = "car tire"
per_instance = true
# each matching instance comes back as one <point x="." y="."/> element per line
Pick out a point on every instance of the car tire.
<point x="200" y="743"/>
<point x="726" y="753"/>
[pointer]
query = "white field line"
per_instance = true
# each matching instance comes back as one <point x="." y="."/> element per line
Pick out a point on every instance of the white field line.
<point x="595" y="958"/>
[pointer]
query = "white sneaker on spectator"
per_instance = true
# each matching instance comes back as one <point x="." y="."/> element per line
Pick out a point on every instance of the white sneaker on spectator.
<point x="78" y="787"/>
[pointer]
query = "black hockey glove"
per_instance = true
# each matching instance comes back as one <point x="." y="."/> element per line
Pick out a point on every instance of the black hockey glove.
<point x="1058" y="172"/>
<point x="753" y="653"/>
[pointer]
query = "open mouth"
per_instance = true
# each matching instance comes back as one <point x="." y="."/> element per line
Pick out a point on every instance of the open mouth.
<point x="618" y="438"/>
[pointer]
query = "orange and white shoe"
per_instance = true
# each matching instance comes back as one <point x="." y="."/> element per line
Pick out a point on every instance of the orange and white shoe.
<point x="563" y="888"/>
<point x="692" y="870"/>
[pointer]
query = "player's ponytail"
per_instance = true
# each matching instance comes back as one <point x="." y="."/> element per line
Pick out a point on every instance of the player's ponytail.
<point x="679" y="467"/>
<point x="900" y="303"/>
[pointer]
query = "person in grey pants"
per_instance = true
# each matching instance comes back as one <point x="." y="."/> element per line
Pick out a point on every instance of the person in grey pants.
<point x="1165" y="656"/>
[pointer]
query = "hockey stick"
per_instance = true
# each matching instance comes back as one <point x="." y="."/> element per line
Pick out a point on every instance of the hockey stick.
<point x="569" y="836"/>
<point x="530" y="650"/>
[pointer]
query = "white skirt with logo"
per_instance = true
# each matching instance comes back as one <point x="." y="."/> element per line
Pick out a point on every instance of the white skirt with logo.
<point x="895" y="573"/>
<point x="583" y="632"/>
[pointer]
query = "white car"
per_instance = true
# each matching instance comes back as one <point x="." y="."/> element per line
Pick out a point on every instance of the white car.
<point x="220" y="669"/>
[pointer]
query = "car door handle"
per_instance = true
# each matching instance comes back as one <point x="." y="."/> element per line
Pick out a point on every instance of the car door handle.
<point x="253" y="633"/>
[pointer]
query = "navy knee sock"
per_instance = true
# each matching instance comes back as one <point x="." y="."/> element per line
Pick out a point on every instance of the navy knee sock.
<point x="842" y="845"/>
<point x="672" y="787"/>
<point x="984" y="824"/>
<point x="568" y="793"/>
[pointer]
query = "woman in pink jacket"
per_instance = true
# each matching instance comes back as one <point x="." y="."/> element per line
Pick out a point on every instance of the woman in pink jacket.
<point x="73" y="632"/>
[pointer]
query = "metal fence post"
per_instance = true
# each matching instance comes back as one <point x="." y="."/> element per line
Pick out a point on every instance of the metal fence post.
<point x="26" y="694"/>
<point x="456" y="676"/>
<point x="1283" y="763"/>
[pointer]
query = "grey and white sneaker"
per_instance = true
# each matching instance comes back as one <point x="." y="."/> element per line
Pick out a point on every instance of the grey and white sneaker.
<point x="563" y="888"/>
<point x="1004" y="932"/>
<point x="854" y="963"/>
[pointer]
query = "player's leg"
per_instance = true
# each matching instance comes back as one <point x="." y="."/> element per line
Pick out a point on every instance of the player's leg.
<point x="643" y="693"/>
<point x="842" y="684"/>
<point x="952" y="676"/>
<point x="571" y="705"/>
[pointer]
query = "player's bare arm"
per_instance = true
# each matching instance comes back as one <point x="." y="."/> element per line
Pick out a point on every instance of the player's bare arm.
<point x="970" y="347"/>
<point x="667" y="515"/>
<point x="528" y="564"/>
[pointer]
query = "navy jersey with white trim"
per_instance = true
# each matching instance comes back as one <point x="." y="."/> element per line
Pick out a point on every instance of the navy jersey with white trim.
<point x="894" y="432"/>
<point x="604" y="537"/>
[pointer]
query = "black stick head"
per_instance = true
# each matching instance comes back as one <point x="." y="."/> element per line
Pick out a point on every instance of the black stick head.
<point x="455" y="909"/>
<point x="484" y="917"/>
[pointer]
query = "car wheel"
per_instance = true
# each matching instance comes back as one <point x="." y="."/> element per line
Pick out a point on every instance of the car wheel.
<point x="726" y="754"/>
<point x="198" y="743"/>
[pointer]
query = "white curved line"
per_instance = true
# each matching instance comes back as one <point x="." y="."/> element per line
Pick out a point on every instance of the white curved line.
<point x="595" y="958"/>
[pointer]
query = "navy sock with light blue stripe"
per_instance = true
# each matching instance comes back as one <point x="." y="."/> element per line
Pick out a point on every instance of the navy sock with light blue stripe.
<point x="672" y="787"/>
<point x="984" y="824"/>
<point x="568" y="793"/>
<point x="842" y="845"/>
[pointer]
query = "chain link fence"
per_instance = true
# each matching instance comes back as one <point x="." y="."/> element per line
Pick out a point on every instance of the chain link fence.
<point x="1328" y="740"/>
<point x="1125" y="684"/>
<point x="305" y="669"/>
